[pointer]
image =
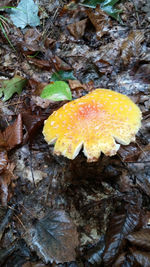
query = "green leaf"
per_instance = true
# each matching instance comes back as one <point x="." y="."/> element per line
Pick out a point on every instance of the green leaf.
<point x="106" y="5"/>
<point x="91" y="3"/>
<point x="10" y="87"/>
<point x="57" y="91"/>
<point x="62" y="76"/>
<point x="25" y="14"/>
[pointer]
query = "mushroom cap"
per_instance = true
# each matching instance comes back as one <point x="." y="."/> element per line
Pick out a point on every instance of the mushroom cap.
<point x="95" y="122"/>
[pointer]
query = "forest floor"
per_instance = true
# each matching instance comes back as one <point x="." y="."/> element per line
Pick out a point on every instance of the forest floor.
<point x="60" y="212"/>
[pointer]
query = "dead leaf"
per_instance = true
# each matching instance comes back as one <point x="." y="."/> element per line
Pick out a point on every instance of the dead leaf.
<point x="32" y="40"/>
<point x="36" y="86"/>
<point x="32" y="124"/>
<point x="5" y="182"/>
<point x="41" y="63"/>
<point x="59" y="64"/>
<point x="75" y="85"/>
<point x="54" y="237"/>
<point x="2" y="141"/>
<point x="104" y="67"/>
<point x="3" y="160"/>
<point x="41" y="102"/>
<point x="34" y="264"/>
<point x="140" y="238"/>
<point x="100" y="20"/>
<point x="141" y="72"/>
<point x="131" y="46"/>
<point x="129" y="153"/>
<point x="141" y="257"/>
<point x="77" y="29"/>
<point x="13" y="134"/>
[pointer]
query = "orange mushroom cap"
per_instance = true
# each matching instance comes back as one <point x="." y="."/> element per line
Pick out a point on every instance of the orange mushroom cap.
<point x="94" y="122"/>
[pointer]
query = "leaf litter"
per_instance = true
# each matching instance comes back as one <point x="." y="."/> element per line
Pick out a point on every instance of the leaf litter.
<point x="101" y="209"/>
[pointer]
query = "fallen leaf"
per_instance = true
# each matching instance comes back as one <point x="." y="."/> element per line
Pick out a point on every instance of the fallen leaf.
<point x="5" y="182"/>
<point x="13" y="134"/>
<point x="32" y="124"/>
<point x="32" y="40"/>
<point x="36" y="86"/>
<point x="59" y="64"/>
<point x="41" y="63"/>
<point x="25" y="14"/>
<point x="62" y="75"/>
<point x="131" y="46"/>
<point x="3" y="160"/>
<point x="2" y="141"/>
<point x="75" y="85"/>
<point x="106" y="5"/>
<point x="129" y="153"/>
<point x="140" y="238"/>
<point x="94" y="253"/>
<point x="57" y="91"/>
<point x="10" y="87"/>
<point x="121" y="224"/>
<point x="100" y="20"/>
<point x="41" y="102"/>
<point x="34" y="264"/>
<point x="77" y="29"/>
<point x="141" y="257"/>
<point x="141" y="72"/>
<point x="54" y="237"/>
<point x="104" y="67"/>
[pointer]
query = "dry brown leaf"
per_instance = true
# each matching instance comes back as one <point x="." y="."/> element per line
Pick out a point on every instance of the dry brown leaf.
<point x="100" y="20"/>
<point x="59" y="64"/>
<point x="131" y="46"/>
<point x="75" y="85"/>
<point x="41" y="63"/>
<point x="13" y="134"/>
<point x="77" y="29"/>
<point x="32" y="39"/>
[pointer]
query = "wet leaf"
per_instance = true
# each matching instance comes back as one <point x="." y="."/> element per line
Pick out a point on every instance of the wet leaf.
<point x="141" y="257"/>
<point x="100" y="20"/>
<point x="5" y="182"/>
<point x="10" y="87"/>
<point x="62" y="75"/>
<point x="77" y="29"/>
<point x="94" y="254"/>
<point x="3" y="160"/>
<point x="13" y="134"/>
<point x="4" y="221"/>
<point x="129" y="153"/>
<point x="54" y="237"/>
<point x="140" y="238"/>
<point x="34" y="264"/>
<point x="106" y="5"/>
<point x="121" y="224"/>
<point x="57" y="91"/>
<point x="32" y="124"/>
<point x="25" y="14"/>
<point x="131" y="46"/>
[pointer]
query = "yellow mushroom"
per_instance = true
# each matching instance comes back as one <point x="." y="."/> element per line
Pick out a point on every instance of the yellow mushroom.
<point x="94" y="122"/>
